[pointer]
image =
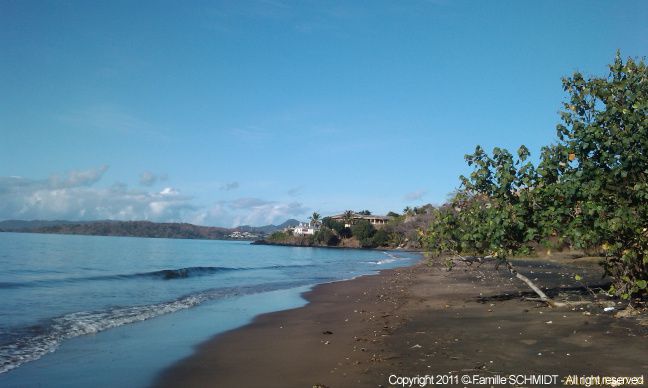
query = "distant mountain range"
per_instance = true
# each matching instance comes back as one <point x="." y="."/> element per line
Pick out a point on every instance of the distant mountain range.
<point x="268" y="229"/>
<point x="141" y="229"/>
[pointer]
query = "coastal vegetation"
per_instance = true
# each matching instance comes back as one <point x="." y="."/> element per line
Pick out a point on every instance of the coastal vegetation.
<point x="333" y="233"/>
<point x="135" y="229"/>
<point x="400" y="231"/>
<point x="141" y="229"/>
<point x="588" y="191"/>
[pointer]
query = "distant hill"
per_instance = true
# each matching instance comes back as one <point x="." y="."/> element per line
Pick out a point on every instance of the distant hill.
<point x="140" y="229"/>
<point x="268" y="229"/>
<point x="15" y="225"/>
<point x="127" y="228"/>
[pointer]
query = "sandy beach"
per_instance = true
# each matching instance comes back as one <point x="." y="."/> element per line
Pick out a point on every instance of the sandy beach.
<point x="423" y="320"/>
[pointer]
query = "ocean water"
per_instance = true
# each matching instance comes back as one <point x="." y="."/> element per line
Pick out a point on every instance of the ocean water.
<point x="104" y="311"/>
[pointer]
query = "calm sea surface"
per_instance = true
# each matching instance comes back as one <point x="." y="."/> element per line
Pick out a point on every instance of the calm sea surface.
<point x="103" y="311"/>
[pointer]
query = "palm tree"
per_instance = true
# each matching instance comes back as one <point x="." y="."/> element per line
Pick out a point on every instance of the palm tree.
<point x="348" y="217"/>
<point x="315" y="219"/>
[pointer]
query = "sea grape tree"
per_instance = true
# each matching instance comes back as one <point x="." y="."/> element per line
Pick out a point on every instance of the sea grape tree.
<point x="589" y="190"/>
<point x="603" y="140"/>
<point x="491" y="213"/>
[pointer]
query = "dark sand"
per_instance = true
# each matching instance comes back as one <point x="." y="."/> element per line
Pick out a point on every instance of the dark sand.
<point x="422" y="320"/>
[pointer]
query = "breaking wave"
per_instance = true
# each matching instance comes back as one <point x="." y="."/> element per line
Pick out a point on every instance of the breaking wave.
<point x="27" y="344"/>
<point x="392" y="258"/>
<point x="164" y="274"/>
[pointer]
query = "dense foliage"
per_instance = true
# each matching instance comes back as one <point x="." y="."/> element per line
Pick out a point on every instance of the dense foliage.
<point x="363" y="231"/>
<point x="135" y="229"/>
<point x="588" y="191"/>
<point x="326" y="236"/>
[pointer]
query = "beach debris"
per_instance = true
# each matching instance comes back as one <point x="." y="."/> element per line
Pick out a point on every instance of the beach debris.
<point x="608" y="309"/>
<point x="417" y="346"/>
<point x="320" y="386"/>
<point x="549" y="322"/>
<point x="327" y="332"/>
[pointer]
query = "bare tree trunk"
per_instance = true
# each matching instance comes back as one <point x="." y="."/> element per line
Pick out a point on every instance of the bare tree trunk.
<point x="470" y="260"/>
<point x="536" y="289"/>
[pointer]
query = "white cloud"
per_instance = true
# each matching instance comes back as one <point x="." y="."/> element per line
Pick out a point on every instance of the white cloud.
<point x="78" y="178"/>
<point x="249" y="211"/>
<point x="169" y="191"/>
<point x="270" y="212"/>
<point x="414" y="196"/>
<point x="73" y="196"/>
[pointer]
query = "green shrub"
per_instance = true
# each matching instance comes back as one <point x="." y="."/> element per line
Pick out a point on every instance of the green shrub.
<point x="330" y="223"/>
<point x="326" y="236"/>
<point x="380" y="238"/>
<point x="346" y="232"/>
<point x="363" y="230"/>
<point x="279" y="236"/>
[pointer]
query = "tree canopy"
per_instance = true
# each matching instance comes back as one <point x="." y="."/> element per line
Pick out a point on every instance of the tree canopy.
<point x="589" y="190"/>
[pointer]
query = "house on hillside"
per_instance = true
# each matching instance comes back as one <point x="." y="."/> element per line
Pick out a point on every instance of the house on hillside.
<point x="305" y="229"/>
<point x="375" y="220"/>
<point x="242" y="235"/>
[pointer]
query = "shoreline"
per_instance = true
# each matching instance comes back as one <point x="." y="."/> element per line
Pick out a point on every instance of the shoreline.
<point x="265" y="242"/>
<point x="297" y="339"/>
<point x="419" y="320"/>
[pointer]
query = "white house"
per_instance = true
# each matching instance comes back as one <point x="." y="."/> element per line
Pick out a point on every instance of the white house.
<point x="305" y="229"/>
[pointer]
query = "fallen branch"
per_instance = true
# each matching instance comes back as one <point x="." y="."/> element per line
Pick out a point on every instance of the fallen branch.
<point x="528" y="282"/>
<point x="470" y="260"/>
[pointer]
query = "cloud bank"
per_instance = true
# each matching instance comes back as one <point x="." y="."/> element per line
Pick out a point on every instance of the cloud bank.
<point x="250" y="211"/>
<point x="74" y="196"/>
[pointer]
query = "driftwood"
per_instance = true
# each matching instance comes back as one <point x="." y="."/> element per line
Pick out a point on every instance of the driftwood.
<point x="542" y="297"/>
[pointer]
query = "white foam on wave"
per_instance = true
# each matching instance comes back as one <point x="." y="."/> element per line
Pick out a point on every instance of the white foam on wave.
<point x="392" y="258"/>
<point x="383" y="261"/>
<point x="26" y="349"/>
<point x="31" y="347"/>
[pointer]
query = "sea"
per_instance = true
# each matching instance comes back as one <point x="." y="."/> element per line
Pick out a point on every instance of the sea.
<point x="79" y="311"/>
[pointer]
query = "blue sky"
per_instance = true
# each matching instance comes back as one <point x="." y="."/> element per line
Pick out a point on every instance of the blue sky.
<point x="252" y="112"/>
